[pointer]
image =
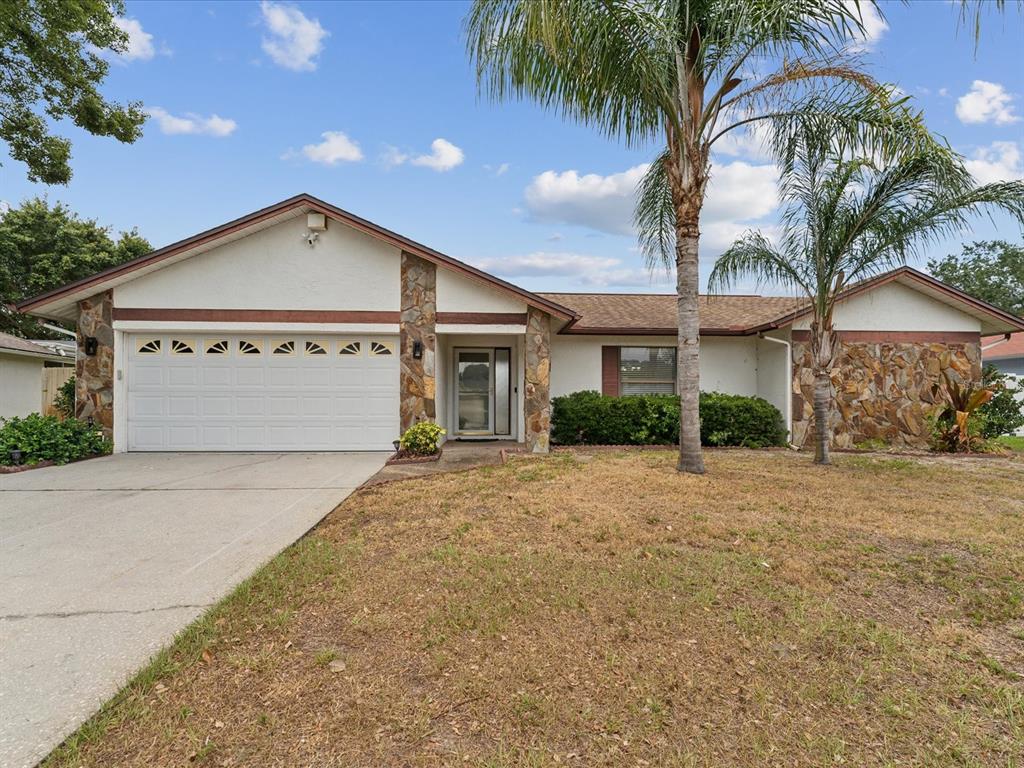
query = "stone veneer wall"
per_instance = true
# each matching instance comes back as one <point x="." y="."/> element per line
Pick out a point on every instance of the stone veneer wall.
<point x="94" y="375"/>
<point x="537" y="399"/>
<point x="418" y="381"/>
<point x="882" y="390"/>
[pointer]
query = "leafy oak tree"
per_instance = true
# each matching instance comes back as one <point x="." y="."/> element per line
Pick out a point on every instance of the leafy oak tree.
<point x="51" y="69"/>
<point x="43" y="247"/>
<point x="991" y="270"/>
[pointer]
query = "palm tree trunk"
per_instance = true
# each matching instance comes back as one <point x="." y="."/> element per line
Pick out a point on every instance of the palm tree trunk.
<point x="822" y="360"/>
<point x="822" y="406"/>
<point x="686" y="171"/>
<point x="691" y="459"/>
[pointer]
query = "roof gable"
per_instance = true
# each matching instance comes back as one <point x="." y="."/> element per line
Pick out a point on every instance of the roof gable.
<point x="61" y="301"/>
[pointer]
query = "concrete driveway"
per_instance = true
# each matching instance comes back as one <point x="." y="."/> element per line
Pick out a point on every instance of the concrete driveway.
<point x="104" y="561"/>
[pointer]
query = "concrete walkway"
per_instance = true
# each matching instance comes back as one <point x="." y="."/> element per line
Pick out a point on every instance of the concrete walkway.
<point x="456" y="456"/>
<point x="102" y="562"/>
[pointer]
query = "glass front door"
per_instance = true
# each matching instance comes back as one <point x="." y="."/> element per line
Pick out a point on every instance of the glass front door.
<point x="475" y="393"/>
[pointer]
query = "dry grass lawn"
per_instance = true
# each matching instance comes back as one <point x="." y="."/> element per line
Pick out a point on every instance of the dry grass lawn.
<point x="605" y="611"/>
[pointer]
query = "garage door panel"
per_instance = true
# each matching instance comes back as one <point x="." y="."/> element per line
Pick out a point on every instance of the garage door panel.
<point x="214" y="397"/>
<point x="182" y="405"/>
<point x="215" y="406"/>
<point x="316" y="406"/>
<point x="144" y="405"/>
<point x="284" y="377"/>
<point x="180" y="376"/>
<point x="347" y="377"/>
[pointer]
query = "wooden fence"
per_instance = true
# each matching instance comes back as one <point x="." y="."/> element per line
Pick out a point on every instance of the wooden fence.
<point x="53" y="378"/>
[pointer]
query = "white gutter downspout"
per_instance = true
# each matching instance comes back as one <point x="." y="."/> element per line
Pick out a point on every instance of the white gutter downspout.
<point x="58" y="329"/>
<point x="1006" y="338"/>
<point x="789" y="382"/>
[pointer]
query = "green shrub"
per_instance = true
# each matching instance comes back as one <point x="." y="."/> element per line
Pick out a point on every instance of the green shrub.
<point x="422" y="438"/>
<point x="42" y="438"/>
<point x="65" y="399"/>
<point x="595" y="419"/>
<point x="1003" y="414"/>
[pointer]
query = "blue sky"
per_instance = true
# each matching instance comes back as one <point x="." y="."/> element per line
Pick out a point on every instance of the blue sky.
<point x="373" y="107"/>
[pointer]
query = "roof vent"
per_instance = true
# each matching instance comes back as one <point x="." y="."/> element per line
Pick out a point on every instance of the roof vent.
<point x="317" y="222"/>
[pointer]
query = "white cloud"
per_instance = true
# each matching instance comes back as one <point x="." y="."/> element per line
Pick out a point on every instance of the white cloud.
<point x="392" y="157"/>
<point x="1000" y="161"/>
<point x="587" y="270"/>
<point x="738" y="192"/>
<point x="191" y="123"/>
<point x="443" y="156"/>
<point x="294" y="40"/>
<point x="140" y="42"/>
<point x="4" y="207"/>
<point x="335" y="148"/>
<point x="497" y="170"/>
<point x="943" y="92"/>
<point x="986" y="103"/>
<point x="874" y="27"/>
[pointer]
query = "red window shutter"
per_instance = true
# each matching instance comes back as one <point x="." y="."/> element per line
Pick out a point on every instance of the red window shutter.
<point x="610" y="371"/>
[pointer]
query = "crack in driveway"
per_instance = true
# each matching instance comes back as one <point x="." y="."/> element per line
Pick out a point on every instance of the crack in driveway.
<point x="121" y="612"/>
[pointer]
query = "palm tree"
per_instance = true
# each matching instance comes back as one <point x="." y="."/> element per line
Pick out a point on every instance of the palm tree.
<point x="846" y="219"/>
<point x="678" y="73"/>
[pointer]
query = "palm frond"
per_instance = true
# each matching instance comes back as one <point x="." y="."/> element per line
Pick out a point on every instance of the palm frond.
<point x="754" y="256"/>
<point x="600" y="63"/>
<point x="655" y="216"/>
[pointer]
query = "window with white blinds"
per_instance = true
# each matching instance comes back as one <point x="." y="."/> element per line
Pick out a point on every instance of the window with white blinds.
<point x="647" y="370"/>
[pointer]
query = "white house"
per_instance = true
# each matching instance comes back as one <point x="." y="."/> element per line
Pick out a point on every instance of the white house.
<point x="304" y="327"/>
<point x="22" y="363"/>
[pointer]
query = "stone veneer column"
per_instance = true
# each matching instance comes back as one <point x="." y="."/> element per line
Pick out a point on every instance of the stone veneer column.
<point x="537" y="399"/>
<point x="94" y="374"/>
<point x="417" y="323"/>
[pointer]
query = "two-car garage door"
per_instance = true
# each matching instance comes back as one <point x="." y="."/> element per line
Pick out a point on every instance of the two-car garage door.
<point x="209" y="392"/>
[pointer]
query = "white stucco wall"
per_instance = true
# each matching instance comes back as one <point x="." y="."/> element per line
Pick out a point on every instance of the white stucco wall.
<point x="728" y="364"/>
<point x="773" y="372"/>
<point x="275" y="269"/>
<point x="895" y="307"/>
<point x="457" y="293"/>
<point x="21" y="385"/>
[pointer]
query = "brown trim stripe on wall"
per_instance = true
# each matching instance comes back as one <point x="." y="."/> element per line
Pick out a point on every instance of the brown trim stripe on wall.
<point x="482" y="318"/>
<point x="257" y="315"/>
<point x="898" y="337"/>
<point x="610" y="371"/>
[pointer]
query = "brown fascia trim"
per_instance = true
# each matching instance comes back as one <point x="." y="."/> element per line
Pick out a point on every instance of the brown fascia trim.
<point x="482" y="318"/>
<point x="257" y="315"/>
<point x="570" y="330"/>
<point x="367" y="227"/>
<point x="921" y="277"/>
<point x="897" y="337"/>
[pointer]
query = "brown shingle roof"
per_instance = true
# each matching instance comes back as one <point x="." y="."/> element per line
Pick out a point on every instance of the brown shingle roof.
<point x="650" y="313"/>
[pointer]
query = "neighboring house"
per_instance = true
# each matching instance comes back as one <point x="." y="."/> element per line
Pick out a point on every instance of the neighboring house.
<point x="22" y="367"/>
<point x="304" y="327"/>
<point x="1006" y="354"/>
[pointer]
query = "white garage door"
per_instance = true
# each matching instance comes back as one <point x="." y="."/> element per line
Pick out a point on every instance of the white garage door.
<point x="192" y="392"/>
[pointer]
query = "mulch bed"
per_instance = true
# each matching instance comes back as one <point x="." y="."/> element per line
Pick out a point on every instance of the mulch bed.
<point x="9" y="469"/>
<point x="407" y="457"/>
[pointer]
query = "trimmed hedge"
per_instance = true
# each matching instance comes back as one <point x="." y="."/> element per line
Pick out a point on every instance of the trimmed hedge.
<point x="47" y="438"/>
<point x="590" y="418"/>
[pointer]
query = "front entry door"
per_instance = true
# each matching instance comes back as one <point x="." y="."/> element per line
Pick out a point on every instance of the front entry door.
<point x="482" y="392"/>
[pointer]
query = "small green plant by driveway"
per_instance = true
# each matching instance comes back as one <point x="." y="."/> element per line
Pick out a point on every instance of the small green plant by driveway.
<point x="47" y="438"/>
<point x="422" y="438"/>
